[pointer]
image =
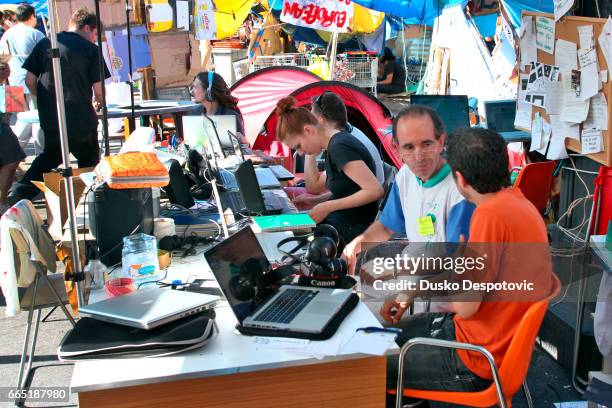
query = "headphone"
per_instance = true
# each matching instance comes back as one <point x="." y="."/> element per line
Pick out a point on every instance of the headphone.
<point x="209" y="96"/>
<point x="252" y="281"/>
<point x="321" y="252"/>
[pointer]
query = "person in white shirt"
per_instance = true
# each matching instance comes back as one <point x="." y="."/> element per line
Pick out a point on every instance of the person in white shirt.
<point x="19" y="41"/>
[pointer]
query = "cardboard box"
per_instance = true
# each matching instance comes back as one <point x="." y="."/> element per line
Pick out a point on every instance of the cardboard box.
<point x="55" y="195"/>
<point x="169" y="58"/>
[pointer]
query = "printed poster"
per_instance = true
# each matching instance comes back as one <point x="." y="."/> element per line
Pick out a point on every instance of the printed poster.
<point x="204" y="20"/>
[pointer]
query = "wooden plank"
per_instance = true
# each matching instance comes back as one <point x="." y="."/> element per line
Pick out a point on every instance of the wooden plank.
<point x="566" y="29"/>
<point x="357" y="382"/>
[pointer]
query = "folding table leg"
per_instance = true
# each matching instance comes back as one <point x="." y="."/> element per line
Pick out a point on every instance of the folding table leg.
<point x="26" y="339"/>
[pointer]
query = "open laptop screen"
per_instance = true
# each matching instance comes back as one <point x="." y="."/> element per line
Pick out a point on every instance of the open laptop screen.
<point x="500" y="115"/>
<point x="238" y="264"/>
<point x="199" y="131"/>
<point x="225" y="124"/>
<point x="453" y="109"/>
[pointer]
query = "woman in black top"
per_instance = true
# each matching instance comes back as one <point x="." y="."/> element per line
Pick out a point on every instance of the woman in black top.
<point x="349" y="169"/>
<point x="393" y="75"/>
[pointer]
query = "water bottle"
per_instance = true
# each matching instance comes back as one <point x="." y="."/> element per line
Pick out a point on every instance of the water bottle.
<point x="139" y="258"/>
<point x="96" y="269"/>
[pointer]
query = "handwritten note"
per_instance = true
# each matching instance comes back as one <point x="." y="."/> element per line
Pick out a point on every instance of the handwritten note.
<point x="369" y="343"/>
<point x="605" y="43"/>
<point x="545" y="34"/>
<point x="565" y="129"/>
<point x="598" y="113"/>
<point x="554" y="98"/>
<point x="574" y="109"/>
<point x="589" y="73"/>
<point x="529" y="52"/>
<point x="566" y="55"/>
<point x="591" y="141"/>
<point x="585" y="33"/>
<point x="562" y="7"/>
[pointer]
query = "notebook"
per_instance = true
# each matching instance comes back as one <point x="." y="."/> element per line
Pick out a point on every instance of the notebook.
<point x="239" y="263"/>
<point x="283" y="222"/>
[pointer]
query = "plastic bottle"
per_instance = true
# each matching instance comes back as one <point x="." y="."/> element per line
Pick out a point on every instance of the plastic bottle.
<point x="139" y="258"/>
<point x="97" y="270"/>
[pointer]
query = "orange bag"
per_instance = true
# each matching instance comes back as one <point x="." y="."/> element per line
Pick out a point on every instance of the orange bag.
<point x="133" y="170"/>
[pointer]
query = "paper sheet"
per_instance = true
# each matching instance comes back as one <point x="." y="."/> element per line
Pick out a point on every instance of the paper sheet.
<point x="529" y="52"/>
<point x="556" y="150"/>
<point x="591" y="141"/>
<point x="565" y="129"/>
<point x="370" y="343"/>
<point x="536" y="132"/>
<point x="605" y="43"/>
<point x="546" y="136"/>
<point x="566" y="55"/>
<point x="574" y="109"/>
<point x="598" y="113"/>
<point x="545" y="34"/>
<point x="182" y="15"/>
<point x="522" y="119"/>
<point x="562" y="7"/>
<point x="554" y="98"/>
<point x="589" y="73"/>
<point x="585" y="33"/>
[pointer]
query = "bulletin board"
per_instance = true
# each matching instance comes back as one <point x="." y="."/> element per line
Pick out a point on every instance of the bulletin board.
<point x="567" y="29"/>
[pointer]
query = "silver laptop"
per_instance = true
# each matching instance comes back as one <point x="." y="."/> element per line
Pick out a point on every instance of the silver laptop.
<point x="239" y="263"/>
<point x="149" y="307"/>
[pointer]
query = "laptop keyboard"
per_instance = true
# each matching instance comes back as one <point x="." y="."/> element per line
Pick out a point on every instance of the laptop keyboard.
<point x="286" y="306"/>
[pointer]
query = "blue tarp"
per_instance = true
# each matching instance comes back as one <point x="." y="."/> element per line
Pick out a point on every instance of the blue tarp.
<point x="515" y="7"/>
<point x="486" y="24"/>
<point x="412" y="11"/>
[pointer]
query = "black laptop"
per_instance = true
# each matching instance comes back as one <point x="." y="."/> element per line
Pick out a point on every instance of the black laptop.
<point x="500" y="118"/>
<point x="249" y="198"/>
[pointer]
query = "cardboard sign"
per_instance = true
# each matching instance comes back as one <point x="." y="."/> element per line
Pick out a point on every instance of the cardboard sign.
<point x="319" y="14"/>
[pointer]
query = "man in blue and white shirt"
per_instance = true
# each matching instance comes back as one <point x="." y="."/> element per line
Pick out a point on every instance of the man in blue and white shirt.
<point x="424" y="204"/>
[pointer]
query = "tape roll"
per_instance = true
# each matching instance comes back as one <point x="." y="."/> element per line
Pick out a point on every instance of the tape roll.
<point x="163" y="227"/>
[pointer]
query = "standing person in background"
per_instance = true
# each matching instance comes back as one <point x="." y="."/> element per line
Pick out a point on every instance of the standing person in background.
<point x="19" y="41"/>
<point x="393" y="78"/>
<point x="81" y="83"/>
<point x="11" y="154"/>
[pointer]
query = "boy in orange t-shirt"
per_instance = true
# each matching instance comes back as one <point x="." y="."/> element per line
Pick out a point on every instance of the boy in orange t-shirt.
<point x="511" y="231"/>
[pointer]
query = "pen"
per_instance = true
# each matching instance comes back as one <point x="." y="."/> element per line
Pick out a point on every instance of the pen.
<point x="380" y="330"/>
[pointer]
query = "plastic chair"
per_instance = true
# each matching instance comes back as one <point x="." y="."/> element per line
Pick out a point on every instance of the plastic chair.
<point x="506" y="381"/>
<point x="50" y="293"/>
<point x="534" y="181"/>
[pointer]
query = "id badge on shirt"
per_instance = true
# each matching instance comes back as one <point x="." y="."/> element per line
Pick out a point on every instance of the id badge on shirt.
<point x="425" y="226"/>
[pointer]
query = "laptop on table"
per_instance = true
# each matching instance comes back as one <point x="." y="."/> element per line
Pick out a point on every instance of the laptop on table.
<point x="500" y="118"/>
<point x="148" y="308"/>
<point x="298" y="309"/>
<point x="249" y="196"/>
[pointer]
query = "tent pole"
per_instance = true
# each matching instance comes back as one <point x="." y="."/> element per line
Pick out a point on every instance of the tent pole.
<point x="128" y="8"/>
<point x="332" y="54"/>
<point x="78" y="276"/>
<point x="102" y="82"/>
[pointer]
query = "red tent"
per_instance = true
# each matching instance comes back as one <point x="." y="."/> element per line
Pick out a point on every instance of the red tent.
<point x="259" y="91"/>
<point x="364" y="112"/>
